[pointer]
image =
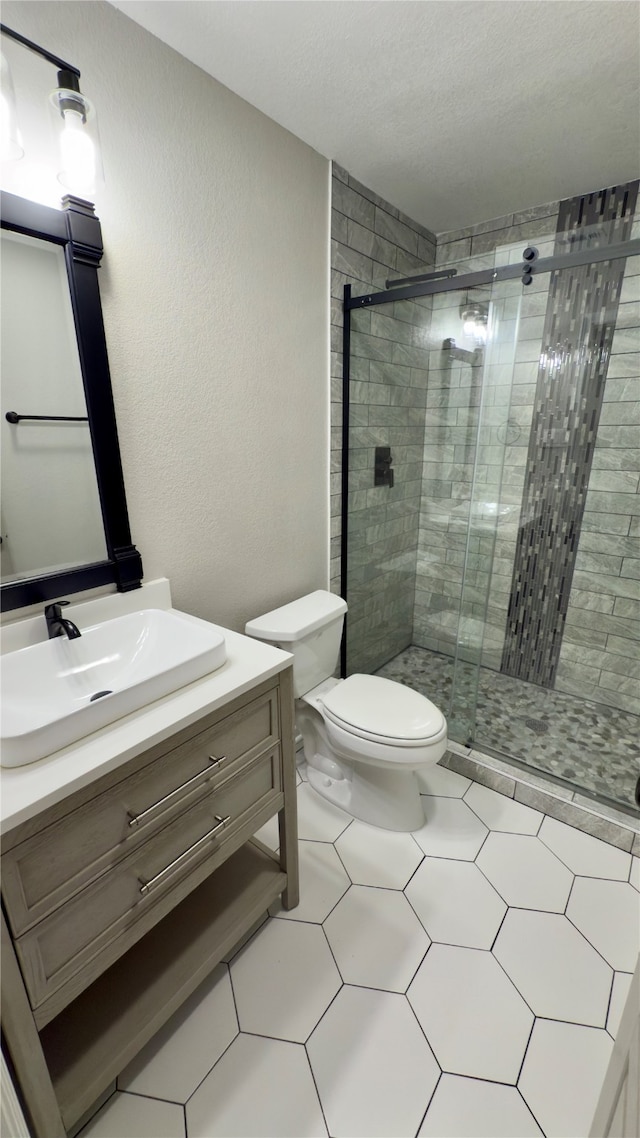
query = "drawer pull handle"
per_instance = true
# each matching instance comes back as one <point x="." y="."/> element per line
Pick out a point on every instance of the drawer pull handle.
<point x="145" y="886"/>
<point x="136" y="819"/>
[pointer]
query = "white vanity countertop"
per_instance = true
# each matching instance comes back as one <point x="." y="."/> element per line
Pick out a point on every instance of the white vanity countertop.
<point x="26" y="791"/>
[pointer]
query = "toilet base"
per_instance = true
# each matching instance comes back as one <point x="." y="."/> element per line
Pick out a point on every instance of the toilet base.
<point x="388" y="799"/>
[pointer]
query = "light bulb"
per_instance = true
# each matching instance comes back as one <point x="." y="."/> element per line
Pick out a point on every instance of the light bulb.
<point x="78" y="153"/>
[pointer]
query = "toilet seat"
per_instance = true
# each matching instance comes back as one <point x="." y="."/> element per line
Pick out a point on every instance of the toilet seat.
<point x="382" y="711"/>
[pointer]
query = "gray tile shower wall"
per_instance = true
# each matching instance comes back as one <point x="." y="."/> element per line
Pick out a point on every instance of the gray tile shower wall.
<point x="600" y="654"/>
<point x="372" y="241"/>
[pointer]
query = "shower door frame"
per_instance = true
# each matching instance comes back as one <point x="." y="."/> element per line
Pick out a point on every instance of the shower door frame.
<point x="529" y="266"/>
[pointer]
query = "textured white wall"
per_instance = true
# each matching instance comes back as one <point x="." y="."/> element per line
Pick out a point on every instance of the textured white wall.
<point x="215" y="297"/>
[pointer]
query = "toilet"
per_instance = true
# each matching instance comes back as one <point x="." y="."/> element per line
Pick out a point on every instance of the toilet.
<point x="365" y="738"/>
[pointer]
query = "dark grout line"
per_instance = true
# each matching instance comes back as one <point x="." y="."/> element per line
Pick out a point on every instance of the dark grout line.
<point x="493" y="943"/>
<point x="591" y="945"/>
<point x="424" y="1116"/>
<point x="329" y="1005"/>
<point x="608" y="1011"/>
<point x="529" y="1108"/>
<point x="145" y="1094"/>
<point x="313" y="1076"/>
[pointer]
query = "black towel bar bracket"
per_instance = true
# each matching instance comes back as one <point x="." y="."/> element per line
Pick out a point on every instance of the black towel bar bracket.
<point x="13" y="417"/>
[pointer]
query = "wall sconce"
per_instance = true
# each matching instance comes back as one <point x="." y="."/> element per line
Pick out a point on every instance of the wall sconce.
<point x="74" y="122"/>
<point x="475" y="318"/>
<point x="73" y="119"/>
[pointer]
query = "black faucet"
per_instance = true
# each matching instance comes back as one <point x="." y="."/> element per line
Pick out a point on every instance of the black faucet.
<point x="56" y="623"/>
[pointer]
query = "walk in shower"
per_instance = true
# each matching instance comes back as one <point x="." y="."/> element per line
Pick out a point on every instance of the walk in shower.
<point x="491" y="469"/>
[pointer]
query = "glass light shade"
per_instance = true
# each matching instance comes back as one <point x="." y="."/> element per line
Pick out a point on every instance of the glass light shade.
<point x="76" y="127"/>
<point x="474" y="322"/>
<point x="11" y="148"/>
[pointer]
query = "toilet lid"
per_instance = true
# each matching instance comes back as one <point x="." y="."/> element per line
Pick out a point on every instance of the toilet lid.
<point x="383" y="709"/>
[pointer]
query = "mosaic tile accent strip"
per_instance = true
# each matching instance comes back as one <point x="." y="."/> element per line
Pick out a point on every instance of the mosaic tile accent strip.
<point x="578" y="332"/>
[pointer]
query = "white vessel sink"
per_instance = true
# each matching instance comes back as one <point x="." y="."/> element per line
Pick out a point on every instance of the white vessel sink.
<point x="56" y="692"/>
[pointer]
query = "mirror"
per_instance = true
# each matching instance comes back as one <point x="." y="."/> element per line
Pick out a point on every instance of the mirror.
<point x="64" y="522"/>
<point x="50" y="510"/>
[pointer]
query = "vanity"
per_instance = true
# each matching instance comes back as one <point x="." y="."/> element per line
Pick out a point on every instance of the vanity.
<point x="131" y="795"/>
<point x="130" y="868"/>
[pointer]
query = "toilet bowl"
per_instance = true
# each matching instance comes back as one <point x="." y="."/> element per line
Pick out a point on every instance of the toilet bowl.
<point x="365" y="738"/>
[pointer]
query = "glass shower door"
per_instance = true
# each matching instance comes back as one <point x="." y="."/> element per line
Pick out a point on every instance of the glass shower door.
<point x="483" y="506"/>
<point x="429" y="425"/>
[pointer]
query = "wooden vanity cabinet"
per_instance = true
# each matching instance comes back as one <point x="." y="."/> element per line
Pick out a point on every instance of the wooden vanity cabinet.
<point x="119" y="900"/>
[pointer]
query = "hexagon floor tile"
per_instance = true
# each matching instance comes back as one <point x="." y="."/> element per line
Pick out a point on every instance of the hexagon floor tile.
<point x="186" y="1048"/>
<point x="473" y="1017"/>
<point x="556" y="970"/>
<point x="456" y="903"/>
<point x="442" y="781"/>
<point x="619" y="993"/>
<point x="472" y="1106"/>
<point x="260" y="1087"/>
<point x="562" y="1076"/>
<point x="125" y="1114"/>
<point x="376" y="938"/>
<point x="451" y="829"/>
<point x="323" y="881"/>
<point x="525" y="873"/>
<point x="584" y="855"/>
<point x="608" y="914"/>
<point x="374" y="1070"/>
<point x="501" y="813"/>
<point x="284" y="980"/>
<point x="319" y="820"/>
<point x="378" y="857"/>
<point x="373" y="1050"/>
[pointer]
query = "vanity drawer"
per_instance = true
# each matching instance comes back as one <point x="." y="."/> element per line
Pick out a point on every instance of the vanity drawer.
<point x="46" y="870"/>
<point x="77" y="942"/>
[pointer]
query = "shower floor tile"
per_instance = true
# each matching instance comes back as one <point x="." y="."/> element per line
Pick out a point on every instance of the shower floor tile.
<point x="412" y="993"/>
<point x="593" y="747"/>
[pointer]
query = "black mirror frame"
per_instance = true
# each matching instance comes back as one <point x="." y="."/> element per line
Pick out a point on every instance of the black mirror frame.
<point x="77" y="229"/>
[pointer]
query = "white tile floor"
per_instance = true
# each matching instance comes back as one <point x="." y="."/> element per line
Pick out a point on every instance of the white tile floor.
<point x="460" y="982"/>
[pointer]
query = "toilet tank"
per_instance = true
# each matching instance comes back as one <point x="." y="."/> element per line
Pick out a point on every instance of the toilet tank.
<point x="311" y="629"/>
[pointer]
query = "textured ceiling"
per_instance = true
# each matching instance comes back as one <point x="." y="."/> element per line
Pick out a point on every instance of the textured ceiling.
<point x="454" y="110"/>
